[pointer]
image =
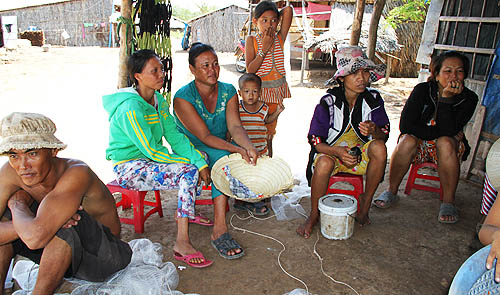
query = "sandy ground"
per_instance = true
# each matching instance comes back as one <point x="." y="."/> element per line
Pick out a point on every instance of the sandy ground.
<point x="404" y="251"/>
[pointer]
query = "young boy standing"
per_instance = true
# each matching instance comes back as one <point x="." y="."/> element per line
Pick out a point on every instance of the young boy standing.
<point x="254" y="113"/>
<point x="254" y="117"/>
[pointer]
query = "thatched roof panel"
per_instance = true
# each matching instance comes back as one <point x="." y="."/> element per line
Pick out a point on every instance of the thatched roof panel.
<point x="219" y="28"/>
<point x="299" y="2"/>
<point x="340" y="31"/>
<point x="17" y="4"/>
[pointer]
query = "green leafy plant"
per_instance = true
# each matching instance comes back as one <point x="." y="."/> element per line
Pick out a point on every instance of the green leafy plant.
<point x="410" y="11"/>
<point x="183" y="13"/>
<point x="186" y="14"/>
<point x="205" y="8"/>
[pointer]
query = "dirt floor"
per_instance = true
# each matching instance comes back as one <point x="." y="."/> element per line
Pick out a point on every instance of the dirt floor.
<point x="404" y="251"/>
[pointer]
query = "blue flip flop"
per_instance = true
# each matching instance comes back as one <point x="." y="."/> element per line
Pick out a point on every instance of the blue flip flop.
<point x="388" y="198"/>
<point x="447" y="209"/>
<point x="224" y="244"/>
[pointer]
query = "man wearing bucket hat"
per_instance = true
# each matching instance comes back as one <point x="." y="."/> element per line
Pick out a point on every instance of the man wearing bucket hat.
<point x="54" y="211"/>
<point x="349" y="119"/>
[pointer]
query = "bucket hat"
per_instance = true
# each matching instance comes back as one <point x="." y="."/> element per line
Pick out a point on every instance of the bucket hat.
<point x="493" y="165"/>
<point x="352" y="58"/>
<point x="22" y="131"/>
<point x="270" y="176"/>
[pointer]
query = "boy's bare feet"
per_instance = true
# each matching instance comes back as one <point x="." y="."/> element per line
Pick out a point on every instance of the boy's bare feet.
<point x="305" y="229"/>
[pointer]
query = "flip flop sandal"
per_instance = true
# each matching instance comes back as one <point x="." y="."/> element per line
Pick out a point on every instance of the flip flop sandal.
<point x="388" y="198"/>
<point x="224" y="244"/>
<point x="447" y="209"/>
<point x="254" y="208"/>
<point x="187" y="259"/>
<point x="198" y="218"/>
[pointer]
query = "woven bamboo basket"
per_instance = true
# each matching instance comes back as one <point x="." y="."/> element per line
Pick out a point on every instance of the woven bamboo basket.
<point x="269" y="177"/>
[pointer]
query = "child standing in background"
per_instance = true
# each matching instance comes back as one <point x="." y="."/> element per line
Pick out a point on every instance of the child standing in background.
<point x="264" y="57"/>
<point x="254" y="113"/>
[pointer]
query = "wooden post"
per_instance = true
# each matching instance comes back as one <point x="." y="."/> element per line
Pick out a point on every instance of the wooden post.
<point x="303" y="64"/>
<point x="372" y="32"/>
<point x="304" y="51"/>
<point x="388" y="70"/>
<point x="472" y="135"/>
<point x="126" y="12"/>
<point x="429" y="35"/>
<point x="356" y="23"/>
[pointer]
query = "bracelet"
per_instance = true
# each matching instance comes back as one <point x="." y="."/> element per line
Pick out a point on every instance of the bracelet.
<point x="261" y="53"/>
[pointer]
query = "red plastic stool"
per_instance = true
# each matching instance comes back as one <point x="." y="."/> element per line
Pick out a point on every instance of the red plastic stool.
<point x="136" y="199"/>
<point x="355" y="180"/>
<point x="414" y="175"/>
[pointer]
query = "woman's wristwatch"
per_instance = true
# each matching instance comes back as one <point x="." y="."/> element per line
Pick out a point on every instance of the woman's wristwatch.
<point x="261" y="53"/>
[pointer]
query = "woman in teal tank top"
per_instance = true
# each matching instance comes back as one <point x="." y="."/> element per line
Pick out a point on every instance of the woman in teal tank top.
<point x="205" y="110"/>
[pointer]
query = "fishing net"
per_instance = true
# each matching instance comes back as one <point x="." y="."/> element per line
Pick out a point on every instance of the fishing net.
<point x="287" y="206"/>
<point x="146" y="274"/>
<point x="298" y="292"/>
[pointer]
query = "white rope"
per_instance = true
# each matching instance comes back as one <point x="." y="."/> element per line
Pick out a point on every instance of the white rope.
<point x="268" y="237"/>
<point x="322" y="270"/>
<point x="251" y="215"/>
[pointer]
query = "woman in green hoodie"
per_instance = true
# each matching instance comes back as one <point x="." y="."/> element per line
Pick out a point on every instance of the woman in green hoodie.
<point x="139" y="119"/>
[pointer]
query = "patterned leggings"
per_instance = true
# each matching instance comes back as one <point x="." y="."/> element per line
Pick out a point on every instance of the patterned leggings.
<point x="147" y="175"/>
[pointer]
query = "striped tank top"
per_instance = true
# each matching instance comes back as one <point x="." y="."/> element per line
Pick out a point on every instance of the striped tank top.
<point x="272" y="72"/>
<point x="253" y="122"/>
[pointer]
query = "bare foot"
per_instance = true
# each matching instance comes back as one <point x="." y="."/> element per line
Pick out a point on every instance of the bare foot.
<point x="363" y="220"/>
<point x="306" y="228"/>
<point x="362" y="215"/>
<point x="183" y="248"/>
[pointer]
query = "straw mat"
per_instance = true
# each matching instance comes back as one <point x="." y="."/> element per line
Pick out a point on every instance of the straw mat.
<point x="269" y="177"/>
<point x="493" y="165"/>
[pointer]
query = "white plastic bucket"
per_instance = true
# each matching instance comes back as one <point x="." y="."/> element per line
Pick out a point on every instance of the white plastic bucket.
<point x="337" y="212"/>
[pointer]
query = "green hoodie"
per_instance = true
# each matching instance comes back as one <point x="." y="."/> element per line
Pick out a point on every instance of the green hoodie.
<point x="136" y="130"/>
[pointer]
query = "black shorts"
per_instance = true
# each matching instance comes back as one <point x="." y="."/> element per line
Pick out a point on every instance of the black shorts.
<point x="96" y="252"/>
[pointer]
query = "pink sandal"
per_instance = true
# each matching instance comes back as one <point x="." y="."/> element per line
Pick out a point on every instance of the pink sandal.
<point x="198" y="219"/>
<point x="186" y="258"/>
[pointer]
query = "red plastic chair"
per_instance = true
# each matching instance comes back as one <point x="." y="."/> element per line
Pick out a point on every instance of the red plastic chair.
<point x="355" y="180"/>
<point x="414" y="175"/>
<point x="209" y="201"/>
<point x="136" y="199"/>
